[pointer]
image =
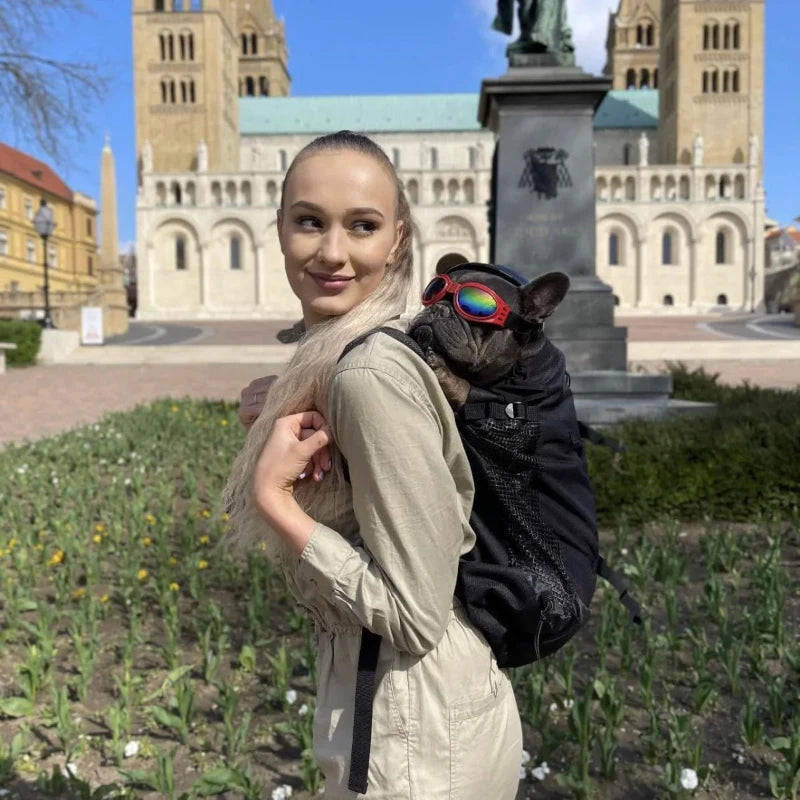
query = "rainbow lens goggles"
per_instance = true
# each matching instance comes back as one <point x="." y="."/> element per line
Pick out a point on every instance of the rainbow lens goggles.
<point x="476" y="303"/>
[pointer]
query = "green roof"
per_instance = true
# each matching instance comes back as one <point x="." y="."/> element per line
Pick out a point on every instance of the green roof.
<point x="368" y="113"/>
<point x="628" y="108"/>
<point x="635" y="108"/>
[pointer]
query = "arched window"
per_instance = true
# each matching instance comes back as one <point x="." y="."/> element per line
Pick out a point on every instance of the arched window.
<point x="250" y="86"/>
<point x="180" y="251"/>
<point x="667" y="253"/>
<point x="453" y="191"/>
<point x="263" y="86"/>
<point x="177" y="195"/>
<point x="190" y="45"/>
<point x="737" y="39"/>
<point x="630" y="79"/>
<point x="725" y="187"/>
<point x="177" y="5"/>
<point x="627" y="154"/>
<point x="684" y="188"/>
<point x="182" y="46"/>
<point x="253" y="44"/>
<point x="715" y="37"/>
<point x="247" y="193"/>
<point x="272" y="193"/>
<point x="639" y="35"/>
<point x="3" y="243"/>
<point x="216" y="193"/>
<point x="726" y="37"/>
<point x="655" y="78"/>
<point x="170" y="47"/>
<point x="164" y="91"/>
<point x="184" y="92"/>
<point x="669" y="300"/>
<point x="412" y="190"/>
<point x="236" y="251"/>
<point x="191" y="194"/>
<point x="715" y="81"/>
<point x="726" y="81"/>
<point x="651" y="35"/>
<point x="245" y="42"/>
<point x="197" y="5"/>
<point x="438" y="191"/>
<point x="158" y="5"/>
<point x="161" y="194"/>
<point x="630" y="189"/>
<point x="192" y="95"/>
<point x="706" y="37"/>
<point x="469" y="191"/>
<point x="434" y="158"/>
<point x="645" y="84"/>
<point x="230" y="193"/>
<point x="722" y="299"/>
<point x="283" y="160"/>
<point x="162" y="40"/>
<point x="739" y="187"/>
<point x="721" y="247"/>
<point x="735" y="81"/>
<point x="613" y="250"/>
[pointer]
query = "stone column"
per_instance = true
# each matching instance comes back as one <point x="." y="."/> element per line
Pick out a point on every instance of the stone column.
<point x="546" y="207"/>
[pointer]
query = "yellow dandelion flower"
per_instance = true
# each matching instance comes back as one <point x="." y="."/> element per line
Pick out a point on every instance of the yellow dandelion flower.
<point x="204" y="540"/>
<point x="175" y="409"/>
<point x="202" y="564"/>
<point x="149" y="519"/>
<point x="263" y="547"/>
<point x="56" y="558"/>
<point x="142" y="574"/>
<point x="104" y="598"/>
<point x="226" y="517"/>
<point x="147" y="541"/>
<point x="99" y="527"/>
<point x="174" y="587"/>
<point x="205" y="513"/>
<point x="173" y="562"/>
<point x="12" y="543"/>
<point x="97" y="538"/>
<point x="223" y="422"/>
<point x="38" y="547"/>
<point x="78" y="593"/>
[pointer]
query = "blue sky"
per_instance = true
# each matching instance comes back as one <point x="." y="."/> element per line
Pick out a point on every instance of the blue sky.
<point x="360" y="47"/>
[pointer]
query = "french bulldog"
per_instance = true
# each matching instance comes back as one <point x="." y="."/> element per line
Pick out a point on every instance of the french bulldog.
<point x="463" y="353"/>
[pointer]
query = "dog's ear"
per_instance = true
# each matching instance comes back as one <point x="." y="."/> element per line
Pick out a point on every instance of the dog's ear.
<point x="541" y="297"/>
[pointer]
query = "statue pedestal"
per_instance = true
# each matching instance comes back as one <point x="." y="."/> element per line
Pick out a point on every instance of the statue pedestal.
<point x="544" y="220"/>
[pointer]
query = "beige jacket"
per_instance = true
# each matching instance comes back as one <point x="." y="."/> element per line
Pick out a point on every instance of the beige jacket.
<point x="445" y="721"/>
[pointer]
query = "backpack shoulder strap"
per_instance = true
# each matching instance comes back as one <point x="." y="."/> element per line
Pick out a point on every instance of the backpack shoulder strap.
<point x="621" y="585"/>
<point x="393" y="332"/>
<point x="362" y="718"/>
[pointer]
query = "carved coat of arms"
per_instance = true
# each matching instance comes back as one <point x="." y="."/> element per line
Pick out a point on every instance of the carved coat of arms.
<point x="545" y="172"/>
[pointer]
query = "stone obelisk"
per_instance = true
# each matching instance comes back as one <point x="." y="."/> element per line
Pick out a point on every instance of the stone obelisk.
<point x="110" y="277"/>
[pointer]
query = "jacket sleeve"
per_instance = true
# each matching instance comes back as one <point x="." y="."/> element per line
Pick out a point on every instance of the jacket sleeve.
<point x="400" y="583"/>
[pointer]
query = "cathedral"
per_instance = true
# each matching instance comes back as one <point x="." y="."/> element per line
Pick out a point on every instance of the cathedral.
<point x="680" y="199"/>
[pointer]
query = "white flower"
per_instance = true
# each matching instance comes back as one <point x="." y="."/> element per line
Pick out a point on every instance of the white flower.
<point x="55" y="481"/>
<point x="541" y="772"/>
<point x="523" y="773"/>
<point x="71" y="769"/>
<point x="303" y="710"/>
<point x="131" y="750"/>
<point x="623" y="551"/>
<point x="127" y="481"/>
<point x="291" y="696"/>
<point x="689" y="779"/>
<point x="120" y="461"/>
<point x="568" y="704"/>
<point x="553" y="708"/>
<point x="282" y="792"/>
<point x="5" y="792"/>
<point x="526" y="756"/>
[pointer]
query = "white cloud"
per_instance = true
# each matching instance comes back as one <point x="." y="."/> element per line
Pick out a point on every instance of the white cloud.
<point x="589" y="21"/>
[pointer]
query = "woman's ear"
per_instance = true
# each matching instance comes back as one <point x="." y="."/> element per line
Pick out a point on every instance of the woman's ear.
<point x="279" y="219"/>
<point x="398" y="237"/>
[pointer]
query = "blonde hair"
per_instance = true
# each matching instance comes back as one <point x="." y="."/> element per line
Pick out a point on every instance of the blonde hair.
<point x="304" y="384"/>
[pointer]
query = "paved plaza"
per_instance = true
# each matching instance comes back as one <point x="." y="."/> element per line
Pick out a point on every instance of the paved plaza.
<point x="43" y="400"/>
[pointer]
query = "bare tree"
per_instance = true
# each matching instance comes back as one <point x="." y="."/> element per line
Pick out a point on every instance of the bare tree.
<point x="47" y="97"/>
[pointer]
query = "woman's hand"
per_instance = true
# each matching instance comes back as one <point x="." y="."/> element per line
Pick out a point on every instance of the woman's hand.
<point x="296" y="444"/>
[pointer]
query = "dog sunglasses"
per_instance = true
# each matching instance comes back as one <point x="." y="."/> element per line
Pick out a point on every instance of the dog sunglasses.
<point x="475" y="303"/>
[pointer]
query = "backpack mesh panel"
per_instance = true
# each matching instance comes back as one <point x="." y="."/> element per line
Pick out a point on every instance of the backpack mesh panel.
<point x="509" y="483"/>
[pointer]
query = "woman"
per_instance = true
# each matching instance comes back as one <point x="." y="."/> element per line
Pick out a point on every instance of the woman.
<point x="381" y="549"/>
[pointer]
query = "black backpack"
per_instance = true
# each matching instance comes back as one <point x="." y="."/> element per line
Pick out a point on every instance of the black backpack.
<point x="528" y="583"/>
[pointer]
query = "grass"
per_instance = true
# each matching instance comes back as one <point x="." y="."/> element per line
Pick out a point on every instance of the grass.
<point x="124" y="628"/>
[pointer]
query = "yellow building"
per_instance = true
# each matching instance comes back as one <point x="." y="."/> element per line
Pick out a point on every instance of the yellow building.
<point x="72" y="249"/>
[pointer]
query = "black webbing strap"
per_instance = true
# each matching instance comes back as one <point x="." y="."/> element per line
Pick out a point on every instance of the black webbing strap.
<point x="394" y="333"/>
<point x="362" y="717"/>
<point x="595" y="437"/>
<point x="621" y="585"/>
<point x="492" y="410"/>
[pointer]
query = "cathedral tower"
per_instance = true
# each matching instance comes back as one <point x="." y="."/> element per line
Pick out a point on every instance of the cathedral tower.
<point x="185" y="82"/>
<point x="262" y="51"/>
<point x="712" y="80"/>
<point x="633" y="44"/>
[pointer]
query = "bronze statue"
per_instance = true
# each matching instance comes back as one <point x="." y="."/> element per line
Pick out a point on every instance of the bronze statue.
<point x="543" y="28"/>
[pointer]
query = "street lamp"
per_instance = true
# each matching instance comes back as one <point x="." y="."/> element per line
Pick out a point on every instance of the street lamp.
<point x="45" y="225"/>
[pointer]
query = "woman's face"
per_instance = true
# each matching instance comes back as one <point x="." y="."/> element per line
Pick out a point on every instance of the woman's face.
<point x="338" y="229"/>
